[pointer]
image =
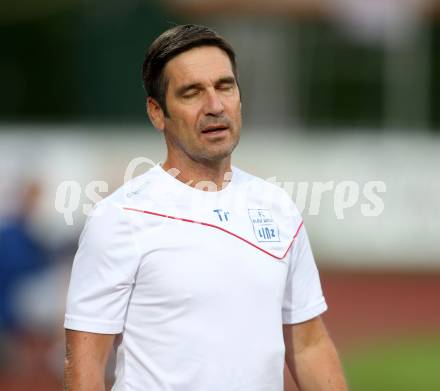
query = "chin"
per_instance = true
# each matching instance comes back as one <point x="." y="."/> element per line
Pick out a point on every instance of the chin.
<point x="219" y="154"/>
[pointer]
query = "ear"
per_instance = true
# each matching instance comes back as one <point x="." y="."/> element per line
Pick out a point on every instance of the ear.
<point x="155" y="113"/>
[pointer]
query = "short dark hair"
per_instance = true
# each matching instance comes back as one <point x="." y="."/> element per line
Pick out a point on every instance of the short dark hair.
<point x="168" y="45"/>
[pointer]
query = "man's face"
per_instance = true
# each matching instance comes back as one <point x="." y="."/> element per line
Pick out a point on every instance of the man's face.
<point x="203" y="103"/>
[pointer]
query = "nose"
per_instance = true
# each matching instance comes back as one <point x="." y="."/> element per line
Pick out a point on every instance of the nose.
<point x="213" y="104"/>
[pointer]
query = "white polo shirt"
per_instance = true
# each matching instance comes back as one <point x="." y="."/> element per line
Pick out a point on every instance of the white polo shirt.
<point x="199" y="283"/>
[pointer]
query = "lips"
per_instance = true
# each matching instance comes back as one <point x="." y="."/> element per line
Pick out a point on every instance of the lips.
<point x="214" y="128"/>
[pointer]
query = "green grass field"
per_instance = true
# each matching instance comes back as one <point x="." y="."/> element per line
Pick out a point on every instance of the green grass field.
<point x="403" y="365"/>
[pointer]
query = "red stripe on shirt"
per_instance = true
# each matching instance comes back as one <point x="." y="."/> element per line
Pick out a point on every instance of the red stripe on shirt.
<point x="219" y="228"/>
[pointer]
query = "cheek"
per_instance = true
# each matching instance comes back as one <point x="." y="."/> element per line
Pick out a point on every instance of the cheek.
<point x="235" y="112"/>
<point x="185" y="117"/>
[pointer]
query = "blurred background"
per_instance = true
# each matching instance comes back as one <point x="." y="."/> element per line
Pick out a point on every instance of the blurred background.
<point x="332" y="91"/>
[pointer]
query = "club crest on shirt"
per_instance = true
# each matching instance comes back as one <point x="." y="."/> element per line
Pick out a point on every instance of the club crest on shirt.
<point x="265" y="229"/>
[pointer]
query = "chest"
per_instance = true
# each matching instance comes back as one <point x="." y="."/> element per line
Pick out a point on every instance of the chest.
<point x="213" y="261"/>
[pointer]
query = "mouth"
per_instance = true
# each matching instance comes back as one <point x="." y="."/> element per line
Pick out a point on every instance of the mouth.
<point x="213" y="129"/>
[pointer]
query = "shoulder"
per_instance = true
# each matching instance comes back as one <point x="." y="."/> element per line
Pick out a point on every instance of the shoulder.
<point x="139" y="187"/>
<point x="108" y="216"/>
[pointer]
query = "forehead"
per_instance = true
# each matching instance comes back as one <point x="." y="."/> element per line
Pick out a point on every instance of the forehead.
<point x="200" y="64"/>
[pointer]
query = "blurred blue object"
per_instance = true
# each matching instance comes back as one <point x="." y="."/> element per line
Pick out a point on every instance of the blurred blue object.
<point x="21" y="255"/>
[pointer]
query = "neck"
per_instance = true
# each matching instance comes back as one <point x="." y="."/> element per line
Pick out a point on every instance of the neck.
<point x="197" y="174"/>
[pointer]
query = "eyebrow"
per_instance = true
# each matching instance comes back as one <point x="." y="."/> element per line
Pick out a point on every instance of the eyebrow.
<point x="222" y="80"/>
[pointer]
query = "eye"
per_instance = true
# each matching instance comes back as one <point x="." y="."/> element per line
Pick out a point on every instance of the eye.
<point x="190" y="94"/>
<point x="226" y="87"/>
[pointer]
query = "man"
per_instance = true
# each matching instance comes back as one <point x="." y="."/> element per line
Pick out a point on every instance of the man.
<point x="196" y="270"/>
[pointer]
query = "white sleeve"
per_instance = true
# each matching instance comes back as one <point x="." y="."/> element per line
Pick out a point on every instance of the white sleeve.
<point x="303" y="298"/>
<point x="103" y="272"/>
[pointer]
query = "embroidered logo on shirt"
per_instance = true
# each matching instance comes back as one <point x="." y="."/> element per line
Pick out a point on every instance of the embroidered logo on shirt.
<point x="265" y="228"/>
